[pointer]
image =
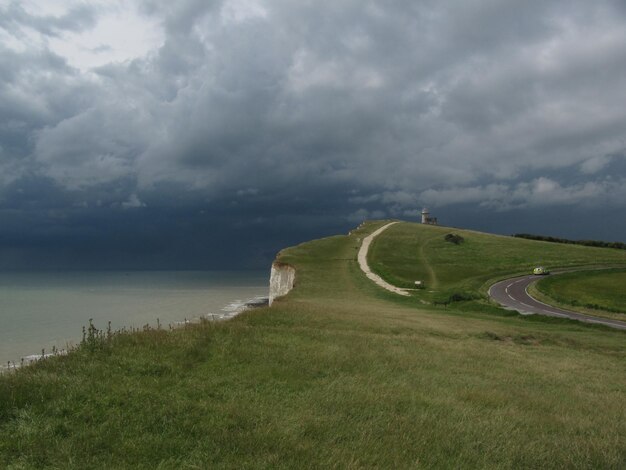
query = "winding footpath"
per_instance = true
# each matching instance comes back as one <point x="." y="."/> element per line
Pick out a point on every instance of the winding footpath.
<point x="362" y="259"/>
<point x="513" y="294"/>
<point x="434" y="282"/>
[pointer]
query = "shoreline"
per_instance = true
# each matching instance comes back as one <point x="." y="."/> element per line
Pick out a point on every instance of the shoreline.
<point x="230" y="311"/>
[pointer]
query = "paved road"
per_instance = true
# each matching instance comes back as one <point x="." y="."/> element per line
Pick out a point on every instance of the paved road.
<point x="513" y="294"/>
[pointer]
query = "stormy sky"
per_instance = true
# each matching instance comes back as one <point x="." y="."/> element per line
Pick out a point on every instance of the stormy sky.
<point x="204" y="134"/>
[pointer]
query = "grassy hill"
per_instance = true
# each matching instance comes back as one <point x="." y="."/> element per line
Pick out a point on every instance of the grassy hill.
<point x="338" y="374"/>
<point x="594" y="292"/>
<point x="408" y="252"/>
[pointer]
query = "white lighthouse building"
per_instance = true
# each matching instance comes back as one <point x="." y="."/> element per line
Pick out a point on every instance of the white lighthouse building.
<point x="427" y="219"/>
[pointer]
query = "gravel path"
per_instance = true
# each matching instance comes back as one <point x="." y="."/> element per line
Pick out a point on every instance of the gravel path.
<point x="362" y="258"/>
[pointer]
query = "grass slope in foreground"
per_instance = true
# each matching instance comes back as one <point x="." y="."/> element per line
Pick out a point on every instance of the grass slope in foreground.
<point x="407" y="252"/>
<point x="338" y="374"/>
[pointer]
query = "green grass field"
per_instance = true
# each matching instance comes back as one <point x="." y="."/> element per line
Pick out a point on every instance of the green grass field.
<point x="338" y="374"/>
<point x="594" y="292"/>
<point x="407" y="252"/>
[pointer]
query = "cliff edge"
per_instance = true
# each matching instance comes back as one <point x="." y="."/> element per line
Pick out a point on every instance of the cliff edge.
<point x="282" y="278"/>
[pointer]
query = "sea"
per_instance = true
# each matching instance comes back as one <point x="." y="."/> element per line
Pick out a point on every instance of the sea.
<point x="45" y="311"/>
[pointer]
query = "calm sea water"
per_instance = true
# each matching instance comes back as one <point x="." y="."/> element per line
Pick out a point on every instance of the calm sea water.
<point x="39" y="310"/>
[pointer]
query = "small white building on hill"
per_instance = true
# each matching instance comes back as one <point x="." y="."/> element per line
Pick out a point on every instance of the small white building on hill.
<point x="427" y="219"/>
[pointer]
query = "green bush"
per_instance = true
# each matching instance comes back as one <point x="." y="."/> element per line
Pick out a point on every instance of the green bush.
<point x="454" y="238"/>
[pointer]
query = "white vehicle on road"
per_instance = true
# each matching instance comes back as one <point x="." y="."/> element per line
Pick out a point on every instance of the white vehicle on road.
<point x="540" y="271"/>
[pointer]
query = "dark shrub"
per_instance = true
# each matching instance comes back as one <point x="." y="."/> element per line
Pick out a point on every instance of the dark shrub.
<point x="454" y="238"/>
<point x="596" y="243"/>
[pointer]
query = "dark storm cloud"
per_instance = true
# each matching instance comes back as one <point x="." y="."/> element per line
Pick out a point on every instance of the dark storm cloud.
<point x="318" y="114"/>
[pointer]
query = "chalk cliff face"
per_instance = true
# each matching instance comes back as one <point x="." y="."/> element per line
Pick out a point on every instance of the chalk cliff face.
<point x="282" y="278"/>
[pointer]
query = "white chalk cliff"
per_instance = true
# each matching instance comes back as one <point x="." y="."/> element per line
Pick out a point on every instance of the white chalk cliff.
<point x="282" y="278"/>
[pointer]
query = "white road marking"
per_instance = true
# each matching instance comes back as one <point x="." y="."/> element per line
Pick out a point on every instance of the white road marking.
<point x="549" y="310"/>
<point x="538" y="301"/>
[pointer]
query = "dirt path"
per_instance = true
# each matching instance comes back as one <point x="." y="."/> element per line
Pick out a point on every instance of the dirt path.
<point x="362" y="258"/>
<point x="434" y="282"/>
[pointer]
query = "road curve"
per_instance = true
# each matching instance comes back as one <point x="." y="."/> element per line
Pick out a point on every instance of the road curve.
<point x="513" y="294"/>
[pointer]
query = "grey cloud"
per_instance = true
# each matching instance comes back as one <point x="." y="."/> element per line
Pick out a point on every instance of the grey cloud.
<point x="539" y="192"/>
<point x="37" y="89"/>
<point x="339" y="110"/>
<point x="77" y="19"/>
<point x="595" y="164"/>
<point x="93" y="147"/>
<point x="349" y="93"/>
<point x="179" y="17"/>
<point x="101" y="48"/>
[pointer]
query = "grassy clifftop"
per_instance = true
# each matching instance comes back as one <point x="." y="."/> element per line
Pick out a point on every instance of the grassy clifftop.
<point x="407" y="252"/>
<point x="593" y="292"/>
<point x="338" y="374"/>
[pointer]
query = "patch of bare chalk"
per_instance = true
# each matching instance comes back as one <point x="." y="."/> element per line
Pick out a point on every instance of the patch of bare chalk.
<point x="362" y="259"/>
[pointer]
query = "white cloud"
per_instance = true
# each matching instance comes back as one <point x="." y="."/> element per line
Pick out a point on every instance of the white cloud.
<point x="133" y="202"/>
<point x="594" y="164"/>
<point x="121" y="33"/>
<point x="491" y="194"/>
<point x="238" y="11"/>
<point x="539" y="192"/>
